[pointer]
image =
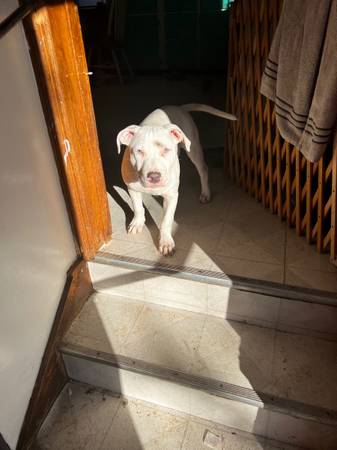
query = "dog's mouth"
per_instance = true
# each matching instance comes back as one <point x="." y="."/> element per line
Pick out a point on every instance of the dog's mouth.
<point x="155" y="180"/>
<point x="151" y="184"/>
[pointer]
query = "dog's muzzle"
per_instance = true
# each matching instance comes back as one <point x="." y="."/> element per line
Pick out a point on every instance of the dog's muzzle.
<point x="153" y="178"/>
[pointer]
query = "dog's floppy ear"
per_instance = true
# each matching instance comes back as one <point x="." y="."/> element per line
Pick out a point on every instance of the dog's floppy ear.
<point x="125" y="136"/>
<point x="179" y="136"/>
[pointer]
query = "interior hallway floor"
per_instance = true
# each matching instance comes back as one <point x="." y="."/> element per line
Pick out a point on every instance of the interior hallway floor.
<point x="232" y="234"/>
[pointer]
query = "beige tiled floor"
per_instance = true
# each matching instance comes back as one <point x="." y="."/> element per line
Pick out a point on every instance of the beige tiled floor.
<point x="88" y="419"/>
<point x="232" y="234"/>
<point x="300" y="368"/>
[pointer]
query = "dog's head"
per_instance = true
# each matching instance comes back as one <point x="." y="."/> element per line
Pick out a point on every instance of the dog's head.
<point x="153" y="151"/>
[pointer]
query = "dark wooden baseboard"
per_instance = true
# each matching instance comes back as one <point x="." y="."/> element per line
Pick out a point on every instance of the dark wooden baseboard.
<point x="52" y="376"/>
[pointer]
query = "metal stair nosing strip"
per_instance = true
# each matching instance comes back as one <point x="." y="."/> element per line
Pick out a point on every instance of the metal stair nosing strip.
<point x="267" y="288"/>
<point x="207" y="385"/>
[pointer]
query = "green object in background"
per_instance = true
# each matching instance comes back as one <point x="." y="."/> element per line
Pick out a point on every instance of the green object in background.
<point x="226" y="4"/>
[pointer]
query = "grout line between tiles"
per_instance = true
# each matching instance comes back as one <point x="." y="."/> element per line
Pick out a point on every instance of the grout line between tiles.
<point x="188" y="419"/>
<point x="224" y="219"/>
<point x="199" y="342"/>
<point x="110" y="425"/>
<point x="132" y="327"/>
<point x="273" y="358"/>
<point x="277" y="324"/>
<point x="247" y="259"/>
<point x="285" y="253"/>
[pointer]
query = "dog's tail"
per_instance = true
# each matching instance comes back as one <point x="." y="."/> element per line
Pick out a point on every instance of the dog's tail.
<point x="208" y="109"/>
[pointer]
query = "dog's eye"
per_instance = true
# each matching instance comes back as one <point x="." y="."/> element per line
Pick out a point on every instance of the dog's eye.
<point x="140" y="151"/>
<point x="166" y="150"/>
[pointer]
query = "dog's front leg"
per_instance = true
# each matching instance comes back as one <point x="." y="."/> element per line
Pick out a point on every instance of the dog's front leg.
<point x="166" y="242"/>
<point x="137" y="223"/>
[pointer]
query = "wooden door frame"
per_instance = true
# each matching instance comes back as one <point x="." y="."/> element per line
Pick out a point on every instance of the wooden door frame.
<point x="56" y="47"/>
<point x="54" y="35"/>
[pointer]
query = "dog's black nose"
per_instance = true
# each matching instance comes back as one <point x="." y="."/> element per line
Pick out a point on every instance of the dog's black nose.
<point x="154" y="177"/>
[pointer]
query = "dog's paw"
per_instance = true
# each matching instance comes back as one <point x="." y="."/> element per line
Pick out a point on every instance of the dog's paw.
<point x="167" y="246"/>
<point x="136" y="226"/>
<point x="205" y="197"/>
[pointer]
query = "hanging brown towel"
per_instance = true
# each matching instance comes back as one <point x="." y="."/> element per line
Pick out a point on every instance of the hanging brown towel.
<point x="300" y="75"/>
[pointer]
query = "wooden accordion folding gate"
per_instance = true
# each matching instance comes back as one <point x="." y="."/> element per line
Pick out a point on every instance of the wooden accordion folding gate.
<point x="270" y="169"/>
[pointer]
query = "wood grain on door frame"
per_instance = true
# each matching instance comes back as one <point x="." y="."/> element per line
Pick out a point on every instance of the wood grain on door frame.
<point x="57" y="52"/>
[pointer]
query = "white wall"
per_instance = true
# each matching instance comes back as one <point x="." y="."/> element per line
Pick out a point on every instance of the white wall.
<point x="36" y="243"/>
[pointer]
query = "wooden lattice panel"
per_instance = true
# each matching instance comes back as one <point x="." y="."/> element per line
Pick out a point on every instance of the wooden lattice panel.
<point x="270" y="169"/>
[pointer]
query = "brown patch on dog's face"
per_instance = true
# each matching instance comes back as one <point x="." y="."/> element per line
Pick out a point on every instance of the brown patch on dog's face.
<point x="129" y="173"/>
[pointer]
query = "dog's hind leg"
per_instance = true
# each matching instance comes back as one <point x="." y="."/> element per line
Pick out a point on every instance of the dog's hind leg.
<point x="138" y="221"/>
<point x="196" y="155"/>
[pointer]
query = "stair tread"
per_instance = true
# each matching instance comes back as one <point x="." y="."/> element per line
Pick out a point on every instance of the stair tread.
<point x="92" y="418"/>
<point x="285" y="365"/>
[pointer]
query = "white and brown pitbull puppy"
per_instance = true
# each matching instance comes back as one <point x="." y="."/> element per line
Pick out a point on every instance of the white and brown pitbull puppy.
<point x="151" y="164"/>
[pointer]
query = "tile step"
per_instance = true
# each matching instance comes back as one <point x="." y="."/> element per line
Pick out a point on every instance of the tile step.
<point x="270" y="383"/>
<point x="274" y="305"/>
<point x="120" y="422"/>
